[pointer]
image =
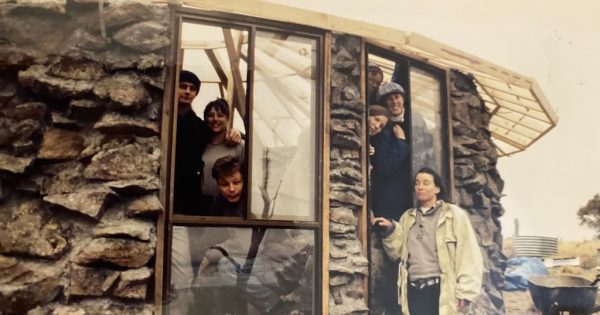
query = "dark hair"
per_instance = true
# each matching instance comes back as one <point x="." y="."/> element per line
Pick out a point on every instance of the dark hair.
<point x="220" y="105"/>
<point x="378" y="110"/>
<point x="188" y="76"/>
<point x="437" y="180"/>
<point x="225" y="166"/>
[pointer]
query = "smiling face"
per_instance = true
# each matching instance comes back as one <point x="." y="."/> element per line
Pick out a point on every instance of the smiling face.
<point x="376" y="124"/>
<point x="374" y="80"/>
<point x="231" y="186"/>
<point x="216" y="120"/>
<point x="425" y="189"/>
<point x="395" y="103"/>
<point x="186" y="93"/>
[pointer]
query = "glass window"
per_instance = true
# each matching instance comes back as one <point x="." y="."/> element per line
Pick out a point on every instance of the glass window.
<point x="243" y="223"/>
<point x="242" y="270"/>
<point x="283" y="127"/>
<point x="426" y="116"/>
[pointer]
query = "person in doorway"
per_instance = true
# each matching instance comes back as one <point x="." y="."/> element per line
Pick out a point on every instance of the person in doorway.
<point x="440" y="260"/>
<point x="217" y="115"/>
<point x="374" y="79"/>
<point x="393" y="96"/>
<point x="390" y="197"/>
<point x="389" y="156"/>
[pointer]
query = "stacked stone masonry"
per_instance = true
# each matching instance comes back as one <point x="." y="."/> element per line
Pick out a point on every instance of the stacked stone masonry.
<point x="81" y="92"/>
<point x="348" y="265"/>
<point x="478" y="185"/>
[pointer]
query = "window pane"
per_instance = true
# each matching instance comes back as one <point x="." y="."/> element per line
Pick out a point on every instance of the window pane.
<point x="425" y="96"/>
<point x="216" y="56"/>
<point x="217" y="270"/>
<point x="283" y="127"/>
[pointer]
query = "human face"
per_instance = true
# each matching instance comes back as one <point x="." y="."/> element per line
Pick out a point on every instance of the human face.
<point x="376" y="124"/>
<point x="425" y="189"/>
<point x="374" y="80"/>
<point x="216" y="121"/>
<point x="395" y="103"/>
<point x="186" y="93"/>
<point x="231" y="186"/>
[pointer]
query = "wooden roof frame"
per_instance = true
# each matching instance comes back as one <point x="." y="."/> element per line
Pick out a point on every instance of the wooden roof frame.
<point x="489" y="77"/>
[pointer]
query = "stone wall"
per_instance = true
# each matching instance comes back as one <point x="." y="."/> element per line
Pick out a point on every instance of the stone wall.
<point x="478" y="186"/>
<point x="348" y="269"/>
<point x="80" y="108"/>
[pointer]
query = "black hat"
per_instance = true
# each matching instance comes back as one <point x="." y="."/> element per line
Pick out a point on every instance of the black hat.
<point x="190" y="77"/>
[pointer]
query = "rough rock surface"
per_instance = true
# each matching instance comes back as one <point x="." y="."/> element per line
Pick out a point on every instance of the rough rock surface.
<point x="81" y="93"/>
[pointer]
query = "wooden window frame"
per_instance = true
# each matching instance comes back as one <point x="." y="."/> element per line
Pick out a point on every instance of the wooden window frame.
<point x="446" y="118"/>
<point x="180" y="15"/>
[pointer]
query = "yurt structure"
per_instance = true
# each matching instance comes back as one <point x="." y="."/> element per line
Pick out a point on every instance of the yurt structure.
<point x="88" y="133"/>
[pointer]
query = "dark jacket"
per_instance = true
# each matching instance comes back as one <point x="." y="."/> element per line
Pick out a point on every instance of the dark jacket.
<point x="391" y="189"/>
<point x="193" y="136"/>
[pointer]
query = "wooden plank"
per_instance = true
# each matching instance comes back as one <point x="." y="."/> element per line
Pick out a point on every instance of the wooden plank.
<point x="166" y="165"/>
<point x="363" y="221"/>
<point x="539" y="95"/>
<point x="326" y="174"/>
<point x="203" y="45"/>
<point x="467" y="59"/>
<point x="234" y="60"/>
<point x="212" y="57"/>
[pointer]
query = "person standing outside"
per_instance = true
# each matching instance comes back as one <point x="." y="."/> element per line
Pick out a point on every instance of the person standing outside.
<point x="441" y="265"/>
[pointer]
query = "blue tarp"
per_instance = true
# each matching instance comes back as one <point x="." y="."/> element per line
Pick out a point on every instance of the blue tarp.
<point x="519" y="269"/>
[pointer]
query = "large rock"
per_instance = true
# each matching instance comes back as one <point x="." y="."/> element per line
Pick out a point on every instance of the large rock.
<point x="127" y="13"/>
<point x="126" y="90"/>
<point x="85" y="40"/>
<point x="29" y="110"/>
<point x="11" y="269"/>
<point x="133" y="284"/>
<point x="15" y="58"/>
<point x="114" y="123"/>
<point x="119" y="252"/>
<point x="88" y="281"/>
<point x="36" y="79"/>
<point x="85" y="109"/>
<point x="130" y="228"/>
<point x="88" y="202"/>
<point x="66" y="178"/>
<point x="343" y="216"/>
<point x="77" y="66"/>
<point x="25" y="293"/>
<point x="132" y="161"/>
<point x="143" y="37"/>
<point x="13" y="164"/>
<point x="60" y="144"/>
<point x="137" y="187"/>
<point x="146" y="205"/>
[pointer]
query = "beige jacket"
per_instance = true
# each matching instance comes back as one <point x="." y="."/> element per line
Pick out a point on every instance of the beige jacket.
<point x="458" y="252"/>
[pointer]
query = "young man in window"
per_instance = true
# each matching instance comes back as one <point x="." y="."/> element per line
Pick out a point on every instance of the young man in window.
<point x="193" y="135"/>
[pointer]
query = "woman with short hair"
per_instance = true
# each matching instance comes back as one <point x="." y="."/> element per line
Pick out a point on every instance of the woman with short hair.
<point x="440" y="261"/>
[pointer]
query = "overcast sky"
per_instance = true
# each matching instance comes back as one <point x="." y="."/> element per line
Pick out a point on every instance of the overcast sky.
<point x="558" y="44"/>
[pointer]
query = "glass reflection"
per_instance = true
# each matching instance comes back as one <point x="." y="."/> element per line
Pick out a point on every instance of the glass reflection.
<point x="425" y="95"/>
<point x="242" y="271"/>
<point x="283" y="121"/>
